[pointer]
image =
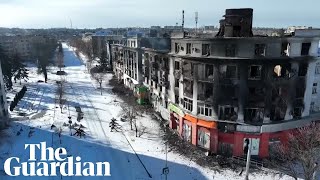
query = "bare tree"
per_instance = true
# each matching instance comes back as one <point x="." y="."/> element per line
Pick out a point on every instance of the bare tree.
<point x="301" y="154"/>
<point x="99" y="78"/>
<point x="130" y="114"/>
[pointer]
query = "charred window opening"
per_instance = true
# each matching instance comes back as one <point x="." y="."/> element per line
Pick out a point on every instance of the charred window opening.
<point x="279" y="104"/>
<point x="188" y="88"/>
<point x="176" y="47"/>
<point x="285" y="49"/>
<point x="297" y="112"/>
<point x="317" y="70"/>
<point x="176" y="83"/>
<point x="205" y="91"/>
<point x="205" y="49"/>
<point x="228" y="112"/>
<point x="254" y="114"/>
<point x="209" y="70"/>
<point x="300" y="92"/>
<point x="176" y="99"/>
<point x="187" y="70"/>
<point x="255" y="72"/>
<point x="260" y="50"/>
<point x="230" y="50"/>
<point x="303" y="68"/>
<point x="236" y="31"/>
<point x="305" y="47"/>
<point x="229" y="71"/>
<point x="188" y="104"/>
<point x="226" y="127"/>
<point x="314" y="88"/>
<point x="188" y="48"/>
<point x="177" y="65"/>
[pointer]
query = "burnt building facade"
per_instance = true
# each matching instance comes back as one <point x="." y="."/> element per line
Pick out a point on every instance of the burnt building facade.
<point x="219" y="91"/>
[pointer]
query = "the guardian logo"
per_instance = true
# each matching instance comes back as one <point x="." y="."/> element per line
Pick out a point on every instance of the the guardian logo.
<point x="57" y="162"/>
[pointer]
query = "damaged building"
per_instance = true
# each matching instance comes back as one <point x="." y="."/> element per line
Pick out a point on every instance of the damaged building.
<point x="219" y="90"/>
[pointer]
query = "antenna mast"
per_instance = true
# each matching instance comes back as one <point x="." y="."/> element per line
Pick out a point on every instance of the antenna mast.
<point x="70" y="23"/>
<point x="182" y="20"/>
<point x="196" y="19"/>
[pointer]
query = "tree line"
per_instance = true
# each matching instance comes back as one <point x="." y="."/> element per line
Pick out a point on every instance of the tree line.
<point x="14" y="66"/>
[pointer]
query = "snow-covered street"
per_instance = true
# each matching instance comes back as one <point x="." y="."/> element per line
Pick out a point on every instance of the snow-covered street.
<point x="121" y="149"/>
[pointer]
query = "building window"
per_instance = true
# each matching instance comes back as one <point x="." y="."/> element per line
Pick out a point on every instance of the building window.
<point x="203" y="139"/>
<point x="230" y="50"/>
<point x="205" y="49"/>
<point x="188" y="48"/>
<point x="305" y="49"/>
<point x="312" y="107"/>
<point x="205" y="109"/>
<point x="177" y="65"/>
<point x="177" y="47"/>
<point x="303" y="68"/>
<point x="186" y="134"/>
<point x="228" y="112"/>
<point x="314" y="88"/>
<point x="229" y="71"/>
<point x="317" y="71"/>
<point x="187" y="104"/>
<point x="255" y="72"/>
<point x="254" y="114"/>
<point x="176" y="83"/>
<point x="260" y="50"/>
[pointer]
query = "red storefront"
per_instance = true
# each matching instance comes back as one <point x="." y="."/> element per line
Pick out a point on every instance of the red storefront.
<point x="205" y="134"/>
<point x="197" y="131"/>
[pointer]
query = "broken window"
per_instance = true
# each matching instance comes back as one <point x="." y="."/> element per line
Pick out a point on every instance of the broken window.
<point x="300" y="92"/>
<point x="314" y="88"/>
<point x="305" y="47"/>
<point x="297" y="112"/>
<point x="205" y="49"/>
<point x="205" y="91"/>
<point x="176" y="47"/>
<point x="255" y="72"/>
<point x="195" y="49"/>
<point x="285" y="49"/>
<point x="187" y="69"/>
<point x="176" y="98"/>
<point x="229" y="71"/>
<point x="177" y="65"/>
<point x="260" y="50"/>
<point x="205" y="109"/>
<point x="187" y="104"/>
<point x="303" y="68"/>
<point x="254" y="114"/>
<point x="236" y="31"/>
<point x="176" y="83"/>
<point x="228" y="112"/>
<point x="188" y="88"/>
<point x="188" y="48"/>
<point x="230" y="50"/>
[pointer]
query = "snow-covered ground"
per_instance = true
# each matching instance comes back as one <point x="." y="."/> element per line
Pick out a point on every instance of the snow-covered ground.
<point x="120" y="149"/>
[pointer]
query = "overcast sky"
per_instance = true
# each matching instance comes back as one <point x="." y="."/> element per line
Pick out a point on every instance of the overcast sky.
<point x="144" y="13"/>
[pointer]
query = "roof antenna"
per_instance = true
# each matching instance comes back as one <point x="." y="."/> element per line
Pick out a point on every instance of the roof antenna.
<point x="182" y="20"/>
<point x="70" y="23"/>
<point x="196" y="19"/>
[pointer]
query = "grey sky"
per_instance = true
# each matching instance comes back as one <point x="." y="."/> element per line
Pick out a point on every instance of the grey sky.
<point x="144" y="13"/>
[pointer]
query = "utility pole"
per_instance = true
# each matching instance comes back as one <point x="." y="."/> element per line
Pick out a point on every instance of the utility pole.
<point x="182" y="21"/>
<point x="248" y="159"/>
<point x="165" y="170"/>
